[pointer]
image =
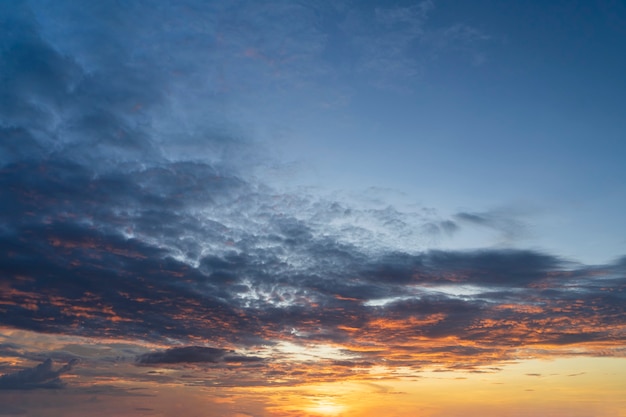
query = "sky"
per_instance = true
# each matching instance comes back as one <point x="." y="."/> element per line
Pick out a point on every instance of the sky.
<point x="319" y="208"/>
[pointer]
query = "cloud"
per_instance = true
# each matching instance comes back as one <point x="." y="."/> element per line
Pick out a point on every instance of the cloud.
<point x="505" y="223"/>
<point x="193" y="354"/>
<point x="491" y="267"/>
<point x="130" y="210"/>
<point x="40" y="376"/>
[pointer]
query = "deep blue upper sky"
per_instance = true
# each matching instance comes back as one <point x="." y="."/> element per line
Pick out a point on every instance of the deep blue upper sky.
<point x="511" y="111"/>
<point x="515" y="108"/>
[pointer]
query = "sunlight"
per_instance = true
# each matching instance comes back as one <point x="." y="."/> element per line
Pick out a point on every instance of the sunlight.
<point x="326" y="407"/>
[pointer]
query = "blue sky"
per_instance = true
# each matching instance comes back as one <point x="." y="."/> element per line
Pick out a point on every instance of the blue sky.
<point x="226" y="182"/>
<point x="512" y="109"/>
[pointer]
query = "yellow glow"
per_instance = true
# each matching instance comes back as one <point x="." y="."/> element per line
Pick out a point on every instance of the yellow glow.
<point x="564" y="387"/>
<point x="327" y="408"/>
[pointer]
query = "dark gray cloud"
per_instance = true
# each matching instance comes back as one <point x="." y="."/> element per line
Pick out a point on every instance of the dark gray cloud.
<point x="40" y="376"/>
<point x="193" y="354"/>
<point x="491" y="267"/>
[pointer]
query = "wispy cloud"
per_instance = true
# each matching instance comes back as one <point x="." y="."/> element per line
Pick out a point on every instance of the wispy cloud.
<point x="506" y="224"/>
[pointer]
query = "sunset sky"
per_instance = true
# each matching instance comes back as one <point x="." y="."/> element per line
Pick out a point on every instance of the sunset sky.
<point x="287" y="208"/>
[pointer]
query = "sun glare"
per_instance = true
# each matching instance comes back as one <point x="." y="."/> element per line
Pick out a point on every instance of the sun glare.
<point x="326" y="408"/>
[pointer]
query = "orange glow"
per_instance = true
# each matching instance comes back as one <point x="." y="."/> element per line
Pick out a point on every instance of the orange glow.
<point x="574" y="387"/>
<point x="308" y="383"/>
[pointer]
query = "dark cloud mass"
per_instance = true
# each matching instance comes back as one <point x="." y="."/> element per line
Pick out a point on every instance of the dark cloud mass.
<point x="125" y="215"/>
<point x="40" y="376"/>
<point x="193" y="354"/>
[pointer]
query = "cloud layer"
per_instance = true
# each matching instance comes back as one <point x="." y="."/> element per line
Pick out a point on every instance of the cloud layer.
<point x="126" y="214"/>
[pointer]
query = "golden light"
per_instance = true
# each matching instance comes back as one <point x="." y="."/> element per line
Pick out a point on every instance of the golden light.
<point x="326" y="407"/>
